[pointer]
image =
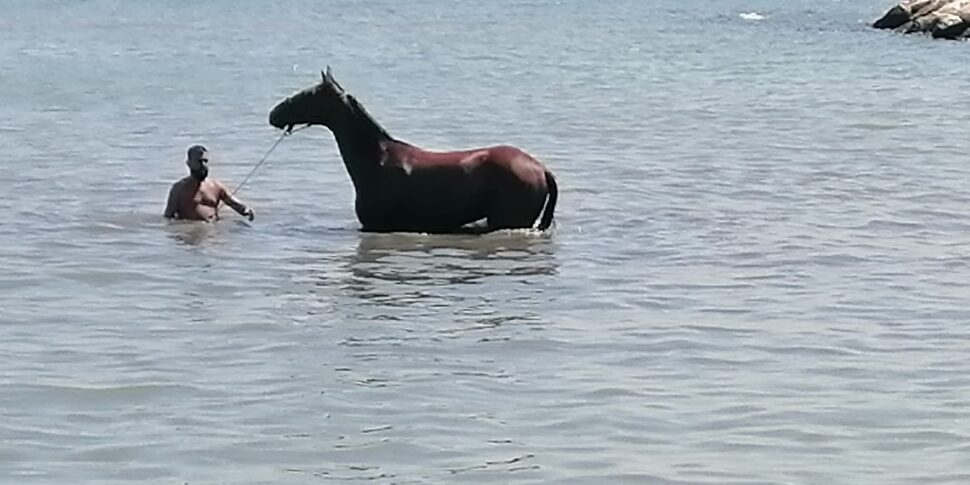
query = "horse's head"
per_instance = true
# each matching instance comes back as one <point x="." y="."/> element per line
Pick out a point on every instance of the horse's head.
<point x="315" y="105"/>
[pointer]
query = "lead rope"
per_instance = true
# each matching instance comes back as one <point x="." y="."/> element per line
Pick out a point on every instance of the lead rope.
<point x="285" y="134"/>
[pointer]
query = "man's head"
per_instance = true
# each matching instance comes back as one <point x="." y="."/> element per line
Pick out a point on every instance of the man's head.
<point x="198" y="162"/>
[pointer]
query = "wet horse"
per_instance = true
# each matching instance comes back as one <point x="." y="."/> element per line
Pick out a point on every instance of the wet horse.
<point x="400" y="187"/>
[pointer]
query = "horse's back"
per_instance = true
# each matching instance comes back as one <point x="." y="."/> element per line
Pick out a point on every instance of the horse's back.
<point x="419" y="157"/>
<point x="520" y="163"/>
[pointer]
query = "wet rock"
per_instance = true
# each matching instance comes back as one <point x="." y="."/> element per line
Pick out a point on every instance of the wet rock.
<point x="946" y="19"/>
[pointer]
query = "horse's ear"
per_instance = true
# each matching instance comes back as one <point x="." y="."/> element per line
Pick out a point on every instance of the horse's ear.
<point x="328" y="79"/>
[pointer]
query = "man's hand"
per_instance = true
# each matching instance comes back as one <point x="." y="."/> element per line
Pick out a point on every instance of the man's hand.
<point x="233" y="202"/>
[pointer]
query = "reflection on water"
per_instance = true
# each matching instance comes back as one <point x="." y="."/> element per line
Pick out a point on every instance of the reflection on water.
<point x="448" y="286"/>
<point x="483" y="245"/>
<point x="378" y="274"/>
<point x="458" y="259"/>
<point x="415" y="276"/>
<point x="197" y="233"/>
<point x="190" y="233"/>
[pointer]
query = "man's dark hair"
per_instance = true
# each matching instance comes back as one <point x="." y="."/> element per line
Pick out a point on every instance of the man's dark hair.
<point x="196" y="151"/>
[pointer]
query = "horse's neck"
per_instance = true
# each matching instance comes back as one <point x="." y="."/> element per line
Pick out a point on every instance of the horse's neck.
<point x="360" y="140"/>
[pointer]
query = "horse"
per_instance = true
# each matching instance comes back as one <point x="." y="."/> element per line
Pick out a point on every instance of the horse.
<point x="402" y="188"/>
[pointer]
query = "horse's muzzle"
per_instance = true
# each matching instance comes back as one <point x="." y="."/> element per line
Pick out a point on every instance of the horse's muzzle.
<point x="275" y="119"/>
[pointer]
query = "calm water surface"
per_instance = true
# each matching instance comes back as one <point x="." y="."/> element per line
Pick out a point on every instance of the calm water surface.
<point x="759" y="272"/>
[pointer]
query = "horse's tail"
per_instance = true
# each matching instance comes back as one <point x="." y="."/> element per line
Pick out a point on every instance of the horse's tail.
<point x="550" y="208"/>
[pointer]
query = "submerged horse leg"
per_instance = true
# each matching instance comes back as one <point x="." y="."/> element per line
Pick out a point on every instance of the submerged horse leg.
<point x="509" y="217"/>
<point x="518" y="190"/>
<point x="516" y="207"/>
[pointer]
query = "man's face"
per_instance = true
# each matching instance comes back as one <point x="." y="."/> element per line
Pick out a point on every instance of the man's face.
<point x="199" y="166"/>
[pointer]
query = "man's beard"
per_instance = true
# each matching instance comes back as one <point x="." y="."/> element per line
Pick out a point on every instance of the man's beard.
<point x="200" y="174"/>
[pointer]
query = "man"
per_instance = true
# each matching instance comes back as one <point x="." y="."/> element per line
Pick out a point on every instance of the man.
<point x="196" y="197"/>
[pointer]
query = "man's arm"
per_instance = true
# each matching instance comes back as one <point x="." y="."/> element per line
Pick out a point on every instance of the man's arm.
<point x="171" y="208"/>
<point x="233" y="202"/>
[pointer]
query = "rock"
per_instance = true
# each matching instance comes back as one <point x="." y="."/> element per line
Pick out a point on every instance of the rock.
<point x="946" y="19"/>
<point x="948" y="26"/>
<point x="894" y="18"/>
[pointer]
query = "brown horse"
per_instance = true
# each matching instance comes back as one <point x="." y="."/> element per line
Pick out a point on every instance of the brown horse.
<point x="401" y="187"/>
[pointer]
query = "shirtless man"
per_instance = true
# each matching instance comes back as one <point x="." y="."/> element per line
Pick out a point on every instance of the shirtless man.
<point x="196" y="198"/>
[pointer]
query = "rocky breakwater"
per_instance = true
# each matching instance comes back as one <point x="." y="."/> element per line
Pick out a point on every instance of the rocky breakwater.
<point x="945" y="19"/>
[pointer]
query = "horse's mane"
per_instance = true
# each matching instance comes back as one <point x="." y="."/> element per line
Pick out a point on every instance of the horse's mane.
<point x="366" y="120"/>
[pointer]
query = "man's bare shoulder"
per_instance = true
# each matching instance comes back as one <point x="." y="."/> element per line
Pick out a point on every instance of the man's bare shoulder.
<point x="218" y="186"/>
<point x="180" y="184"/>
